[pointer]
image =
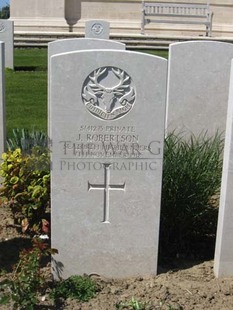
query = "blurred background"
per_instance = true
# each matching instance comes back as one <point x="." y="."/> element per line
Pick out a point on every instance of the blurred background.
<point x="4" y="3"/>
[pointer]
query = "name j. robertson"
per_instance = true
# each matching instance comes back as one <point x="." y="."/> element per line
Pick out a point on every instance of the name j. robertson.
<point x="101" y="137"/>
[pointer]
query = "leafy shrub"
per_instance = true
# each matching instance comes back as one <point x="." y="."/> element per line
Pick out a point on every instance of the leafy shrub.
<point x="191" y="176"/>
<point x="82" y="288"/>
<point x="26" y="187"/>
<point x="26" y="281"/>
<point x="26" y="140"/>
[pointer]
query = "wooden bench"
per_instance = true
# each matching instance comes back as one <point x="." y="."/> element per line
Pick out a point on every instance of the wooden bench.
<point x="177" y="13"/>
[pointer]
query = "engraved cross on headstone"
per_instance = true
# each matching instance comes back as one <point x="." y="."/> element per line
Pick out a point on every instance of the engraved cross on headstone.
<point x="106" y="187"/>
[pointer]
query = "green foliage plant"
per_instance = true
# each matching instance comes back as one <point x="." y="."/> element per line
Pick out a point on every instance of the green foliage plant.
<point x="26" y="188"/>
<point x="22" y="288"/>
<point x="25" y="140"/>
<point x="82" y="288"/>
<point x="191" y="176"/>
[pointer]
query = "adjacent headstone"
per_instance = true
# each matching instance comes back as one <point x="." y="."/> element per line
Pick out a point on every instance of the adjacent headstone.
<point x="2" y="100"/>
<point x="98" y="29"/>
<point x="223" y="263"/>
<point x="7" y="36"/>
<point x="107" y="151"/>
<point x="198" y="81"/>
<point x="77" y="44"/>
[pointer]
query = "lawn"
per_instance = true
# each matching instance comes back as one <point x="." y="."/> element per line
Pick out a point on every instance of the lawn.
<point x="31" y="59"/>
<point x="26" y="89"/>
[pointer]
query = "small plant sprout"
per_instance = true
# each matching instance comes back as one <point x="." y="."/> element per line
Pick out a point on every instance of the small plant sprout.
<point x="22" y="288"/>
<point x="133" y="304"/>
<point x="82" y="288"/>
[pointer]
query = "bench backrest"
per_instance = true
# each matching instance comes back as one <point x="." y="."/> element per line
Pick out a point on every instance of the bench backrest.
<point x="176" y="9"/>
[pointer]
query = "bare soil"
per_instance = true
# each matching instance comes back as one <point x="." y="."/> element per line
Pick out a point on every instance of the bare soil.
<point x="186" y="285"/>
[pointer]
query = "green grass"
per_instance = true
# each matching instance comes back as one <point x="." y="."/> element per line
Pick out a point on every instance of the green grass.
<point x="31" y="59"/>
<point x="26" y="100"/>
<point x="26" y="91"/>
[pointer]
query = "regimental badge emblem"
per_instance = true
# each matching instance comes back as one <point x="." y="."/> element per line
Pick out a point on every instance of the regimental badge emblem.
<point x="97" y="29"/>
<point x="108" y="93"/>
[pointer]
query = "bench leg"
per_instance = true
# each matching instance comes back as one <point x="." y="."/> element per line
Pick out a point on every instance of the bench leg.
<point x="143" y="24"/>
<point x="209" y="31"/>
<point x="211" y="27"/>
<point x="142" y="31"/>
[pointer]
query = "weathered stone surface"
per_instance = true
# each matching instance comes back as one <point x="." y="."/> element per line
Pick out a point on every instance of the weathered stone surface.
<point x="107" y="148"/>
<point x="71" y="45"/>
<point x="7" y="36"/>
<point x="198" y="81"/>
<point x="223" y="263"/>
<point x="2" y="100"/>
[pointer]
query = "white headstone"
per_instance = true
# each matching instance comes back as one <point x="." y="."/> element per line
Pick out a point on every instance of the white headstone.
<point x="198" y="81"/>
<point x="107" y="132"/>
<point x="76" y="44"/>
<point x="2" y="100"/>
<point x="223" y="263"/>
<point x="7" y="36"/>
<point x="98" y="29"/>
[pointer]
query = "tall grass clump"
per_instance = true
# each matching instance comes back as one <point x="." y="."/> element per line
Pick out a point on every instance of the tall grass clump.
<point x="191" y="177"/>
<point x="26" y="140"/>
